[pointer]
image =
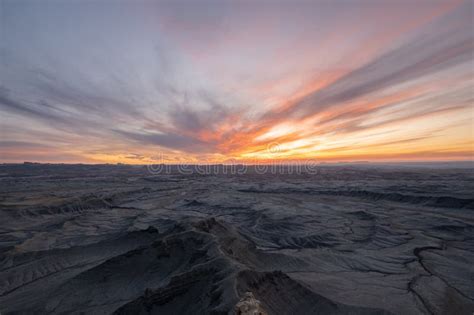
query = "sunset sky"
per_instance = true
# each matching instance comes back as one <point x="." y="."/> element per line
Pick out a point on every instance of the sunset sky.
<point x="202" y="81"/>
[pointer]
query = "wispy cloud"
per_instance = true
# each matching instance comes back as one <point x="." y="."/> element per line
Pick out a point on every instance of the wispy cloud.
<point x="315" y="78"/>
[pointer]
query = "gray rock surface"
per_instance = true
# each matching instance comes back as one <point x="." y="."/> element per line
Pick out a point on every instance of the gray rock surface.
<point x="347" y="240"/>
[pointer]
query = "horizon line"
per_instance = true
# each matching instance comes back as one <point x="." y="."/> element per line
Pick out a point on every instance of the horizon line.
<point x="247" y="164"/>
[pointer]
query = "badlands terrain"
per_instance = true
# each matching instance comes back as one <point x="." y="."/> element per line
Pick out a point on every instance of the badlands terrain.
<point x="358" y="239"/>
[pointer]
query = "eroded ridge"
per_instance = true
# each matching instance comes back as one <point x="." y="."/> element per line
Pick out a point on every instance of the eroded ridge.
<point x="106" y="239"/>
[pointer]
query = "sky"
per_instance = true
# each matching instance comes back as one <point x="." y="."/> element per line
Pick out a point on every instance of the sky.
<point x="219" y="81"/>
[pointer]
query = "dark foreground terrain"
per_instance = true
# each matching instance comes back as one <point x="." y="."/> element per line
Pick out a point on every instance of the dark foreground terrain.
<point x="347" y="240"/>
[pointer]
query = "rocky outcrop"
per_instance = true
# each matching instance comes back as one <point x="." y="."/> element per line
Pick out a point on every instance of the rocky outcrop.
<point x="248" y="305"/>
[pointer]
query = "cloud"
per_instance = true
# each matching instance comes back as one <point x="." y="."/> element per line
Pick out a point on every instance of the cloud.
<point x="422" y="56"/>
<point x="168" y="140"/>
<point x="22" y="145"/>
<point x="407" y="73"/>
<point x="122" y="92"/>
